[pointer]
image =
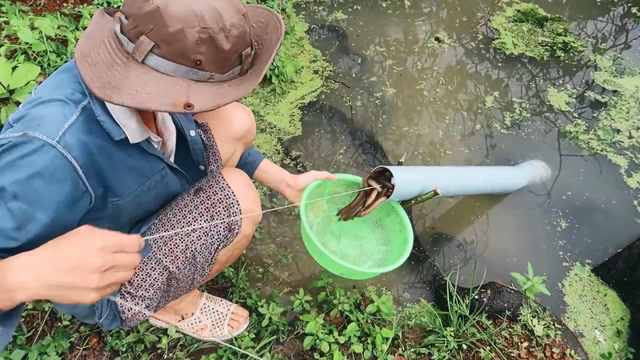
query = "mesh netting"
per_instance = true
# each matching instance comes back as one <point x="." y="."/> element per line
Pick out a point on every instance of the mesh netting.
<point x="378" y="240"/>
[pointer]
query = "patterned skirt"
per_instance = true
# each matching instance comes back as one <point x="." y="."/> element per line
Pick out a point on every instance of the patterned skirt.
<point x="181" y="262"/>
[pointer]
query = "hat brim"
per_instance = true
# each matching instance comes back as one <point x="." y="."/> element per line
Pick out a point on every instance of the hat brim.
<point x="114" y="76"/>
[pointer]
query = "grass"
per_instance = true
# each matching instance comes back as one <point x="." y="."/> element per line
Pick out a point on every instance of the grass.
<point x="323" y="322"/>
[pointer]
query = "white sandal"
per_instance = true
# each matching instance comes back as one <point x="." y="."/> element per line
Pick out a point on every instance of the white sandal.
<point x="215" y="313"/>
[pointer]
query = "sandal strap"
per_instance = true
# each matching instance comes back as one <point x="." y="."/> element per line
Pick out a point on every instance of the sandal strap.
<point x="214" y="313"/>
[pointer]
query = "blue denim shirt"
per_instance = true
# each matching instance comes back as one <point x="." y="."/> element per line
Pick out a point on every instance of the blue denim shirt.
<point x="66" y="162"/>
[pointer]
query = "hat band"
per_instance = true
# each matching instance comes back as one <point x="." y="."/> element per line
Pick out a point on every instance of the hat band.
<point x="178" y="70"/>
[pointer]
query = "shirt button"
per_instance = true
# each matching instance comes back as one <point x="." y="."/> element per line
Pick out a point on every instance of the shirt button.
<point x="192" y="133"/>
<point x="201" y="167"/>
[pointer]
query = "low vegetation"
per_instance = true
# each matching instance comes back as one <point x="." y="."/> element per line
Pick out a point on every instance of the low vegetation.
<point x="324" y="322"/>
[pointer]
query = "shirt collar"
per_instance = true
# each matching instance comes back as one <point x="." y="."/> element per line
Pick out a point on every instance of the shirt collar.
<point x="130" y="122"/>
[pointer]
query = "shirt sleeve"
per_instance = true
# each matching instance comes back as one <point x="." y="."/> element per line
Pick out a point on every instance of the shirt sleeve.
<point x="249" y="161"/>
<point x="42" y="196"/>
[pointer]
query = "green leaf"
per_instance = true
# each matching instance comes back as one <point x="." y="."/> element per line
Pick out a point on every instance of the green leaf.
<point x="530" y="270"/>
<point x="324" y="347"/>
<point x="371" y="308"/>
<point x="265" y="322"/>
<point x="520" y="278"/>
<point x="132" y="337"/>
<point x="334" y="313"/>
<point x="23" y="74"/>
<point x="263" y="311"/>
<point x="322" y="297"/>
<point x="357" y="348"/>
<point x="311" y="327"/>
<point x="378" y="340"/>
<point x="45" y="26"/>
<point x="26" y="35"/>
<point x="352" y="328"/>
<point x="308" y="342"/>
<point x="171" y="331"/>
<point x="387" y="333"/>
<point x="23" y="93"/>
<point x="544" y="290"/>
<point x="17" y="354"/>
<point x="5" y="72"/>
<point x="38" y="46"/>
<point x="337" y="355"/>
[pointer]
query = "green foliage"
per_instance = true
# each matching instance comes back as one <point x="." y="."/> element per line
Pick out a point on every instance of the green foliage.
<point x="16" y="83"/>
<point x="531" y="284"/>
<point x="596" y="313"/>
<point x="526" y="29"/>
<point x="539" y="322"/>
<point x="460" y="330"/>
<point x="46" y="40"/>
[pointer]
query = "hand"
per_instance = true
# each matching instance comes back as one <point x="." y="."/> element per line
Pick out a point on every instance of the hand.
<point x="84" y="265"/>
<point x="296" y="184"/>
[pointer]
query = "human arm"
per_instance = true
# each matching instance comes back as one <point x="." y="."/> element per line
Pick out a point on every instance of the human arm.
<point x="43" y="197"/>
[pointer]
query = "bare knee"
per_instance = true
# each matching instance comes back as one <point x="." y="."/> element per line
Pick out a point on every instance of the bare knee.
<point x="244" y="123"/>
<point x="247" y="197"/>
<point x="234" y="121"/>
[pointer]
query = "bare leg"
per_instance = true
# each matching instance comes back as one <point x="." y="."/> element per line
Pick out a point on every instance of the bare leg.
<point x="233" y="127"/>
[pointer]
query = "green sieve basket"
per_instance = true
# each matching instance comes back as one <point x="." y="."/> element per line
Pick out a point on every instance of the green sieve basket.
<point x="358" y="249"/>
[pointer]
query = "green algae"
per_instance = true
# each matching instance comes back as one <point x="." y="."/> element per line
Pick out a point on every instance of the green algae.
<point x="561" y="99"/>
<point x="277" y="106"/>
<point x="615" y="129"/>
<point x="596" y="313"/>
<point x="526" y="29"/>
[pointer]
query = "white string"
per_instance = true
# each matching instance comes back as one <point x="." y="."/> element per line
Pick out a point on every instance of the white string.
<point x="247" y="215"/>
<point x="148" y="313"/>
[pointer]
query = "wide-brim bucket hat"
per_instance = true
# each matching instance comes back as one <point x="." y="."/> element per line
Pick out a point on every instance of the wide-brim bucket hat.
<point x="183" y="56"/>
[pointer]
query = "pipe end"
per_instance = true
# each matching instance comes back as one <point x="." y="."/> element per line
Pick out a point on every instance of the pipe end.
<point x="542" y="171"/>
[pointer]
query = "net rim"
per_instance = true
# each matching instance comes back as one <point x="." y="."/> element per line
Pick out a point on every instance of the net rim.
<point x="397" y="207"/>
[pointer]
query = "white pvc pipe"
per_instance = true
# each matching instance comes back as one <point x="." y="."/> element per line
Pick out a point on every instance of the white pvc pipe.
<point x="412" y="181"/>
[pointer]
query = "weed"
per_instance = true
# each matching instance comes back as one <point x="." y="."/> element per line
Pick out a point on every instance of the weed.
<point x="301" y="301"/>
<point x="526" y="29"/>
<point x="531" y="284"/>
<point x="16" y="83"/>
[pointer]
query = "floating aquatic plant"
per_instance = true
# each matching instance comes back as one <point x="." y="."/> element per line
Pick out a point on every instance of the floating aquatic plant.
<point x="615" y="129"/>
<point x="596" y="312"/>
<point x="526" y="29"/>
<point x="561" y="99"/>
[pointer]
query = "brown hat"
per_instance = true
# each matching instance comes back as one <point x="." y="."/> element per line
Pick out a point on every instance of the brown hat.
<point x="178" y="55"/>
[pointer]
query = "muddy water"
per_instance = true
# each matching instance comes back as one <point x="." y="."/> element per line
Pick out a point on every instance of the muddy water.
<point x="400" y="90"/>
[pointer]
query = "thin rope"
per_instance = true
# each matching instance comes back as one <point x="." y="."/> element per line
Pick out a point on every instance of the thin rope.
<point x="247" y="215"/>
<point x="149" y="314"/>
